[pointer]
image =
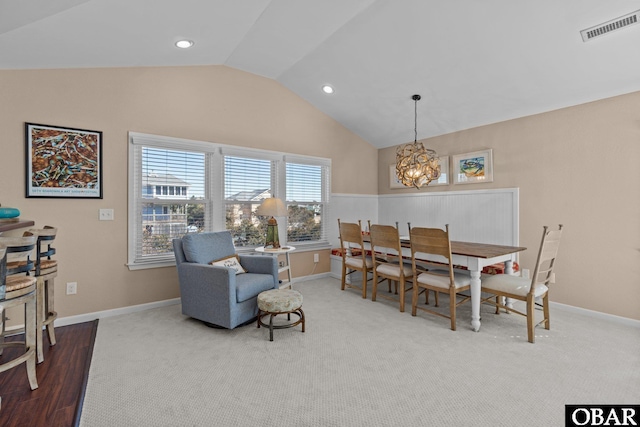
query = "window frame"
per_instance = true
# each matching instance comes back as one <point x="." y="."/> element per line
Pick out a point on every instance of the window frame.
<point x="214" y="200"/>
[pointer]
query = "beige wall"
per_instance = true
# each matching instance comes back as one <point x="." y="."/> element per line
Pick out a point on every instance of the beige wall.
<point x="210" y="103"/>
<point x="578" y="166"/>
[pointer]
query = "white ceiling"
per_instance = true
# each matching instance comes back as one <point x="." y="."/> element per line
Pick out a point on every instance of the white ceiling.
<point x="473" y="62"/>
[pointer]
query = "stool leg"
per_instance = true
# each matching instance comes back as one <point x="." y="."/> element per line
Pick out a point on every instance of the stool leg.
<point x="1" y="329"/>
<point x="302" y="316"/>
<point x="40" y="317"/>
<point x="259" y="313"/>
<point x="50" y="311"/>
<point x="271" y="328"/>
<point x="30" y="325"/>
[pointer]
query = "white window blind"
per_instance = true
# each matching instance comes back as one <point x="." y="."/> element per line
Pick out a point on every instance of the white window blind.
<point x="179" y="186"/>
<point x="171" y="200"/>
<point x="307" y="196"/>
<point x="247" y="181"/>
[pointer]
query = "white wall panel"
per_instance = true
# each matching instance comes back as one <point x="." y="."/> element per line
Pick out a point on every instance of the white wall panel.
<point x="486" y="216"/>
<point x="350" y="208"/>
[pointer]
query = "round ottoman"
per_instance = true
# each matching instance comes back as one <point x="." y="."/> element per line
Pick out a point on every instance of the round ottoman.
<point x="280" y="301"/>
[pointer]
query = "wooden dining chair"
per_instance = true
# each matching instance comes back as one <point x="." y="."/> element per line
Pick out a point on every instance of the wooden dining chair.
<point x="433" y="270"/>
<point x="388" y="262"/>
<point x="528" y="290"/>
<point x="354" y="257"/>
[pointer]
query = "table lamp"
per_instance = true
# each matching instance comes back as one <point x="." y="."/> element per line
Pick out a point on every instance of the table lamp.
<point x="272" y="207"/>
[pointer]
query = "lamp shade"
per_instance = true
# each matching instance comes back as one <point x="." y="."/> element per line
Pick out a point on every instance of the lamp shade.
<point x="272" y="207"/>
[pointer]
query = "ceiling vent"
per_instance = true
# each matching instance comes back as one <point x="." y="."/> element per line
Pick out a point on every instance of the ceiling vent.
<point x="609" y="26"/>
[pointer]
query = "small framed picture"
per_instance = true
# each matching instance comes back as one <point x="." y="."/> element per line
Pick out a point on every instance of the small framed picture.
<point x="394" y="182"/>
<point x="63" y="162"/>
<point x="473" y="168"/>
<point x="444" y="172"/>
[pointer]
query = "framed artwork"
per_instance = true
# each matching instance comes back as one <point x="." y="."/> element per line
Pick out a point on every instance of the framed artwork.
<point x="444" y="172"/>
<point x="63" y="162"/>
<point x="475" y="167"/>
<point x="394" y="182"/>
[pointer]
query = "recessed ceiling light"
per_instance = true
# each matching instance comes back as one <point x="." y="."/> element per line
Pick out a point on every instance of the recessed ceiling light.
<point x="184" y="44"/>
<point x="327" y="89"/>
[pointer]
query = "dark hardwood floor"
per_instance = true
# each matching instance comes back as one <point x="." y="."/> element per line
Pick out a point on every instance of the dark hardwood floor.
<point x="61" y="381"/>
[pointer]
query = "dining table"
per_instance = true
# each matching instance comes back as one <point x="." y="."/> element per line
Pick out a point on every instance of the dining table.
<point x="474" y="257"/>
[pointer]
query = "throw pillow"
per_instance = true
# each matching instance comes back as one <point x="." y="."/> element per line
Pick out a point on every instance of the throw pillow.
<point x="231" y="262"/>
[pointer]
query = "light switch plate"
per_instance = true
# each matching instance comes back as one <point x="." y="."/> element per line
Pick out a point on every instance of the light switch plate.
<point x="106" y="215"/>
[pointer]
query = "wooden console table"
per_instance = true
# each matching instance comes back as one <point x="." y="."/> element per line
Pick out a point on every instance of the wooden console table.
<point x="13" y="225"/>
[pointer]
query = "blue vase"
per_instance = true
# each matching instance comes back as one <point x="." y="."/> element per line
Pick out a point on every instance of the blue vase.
<point x="9" y="212"/>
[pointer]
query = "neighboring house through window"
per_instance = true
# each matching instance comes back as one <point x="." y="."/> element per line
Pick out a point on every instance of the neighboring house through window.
<point x="179" y="186"/>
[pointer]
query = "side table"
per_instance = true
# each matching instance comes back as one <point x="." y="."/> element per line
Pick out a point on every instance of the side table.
<point x="287" y="267"/>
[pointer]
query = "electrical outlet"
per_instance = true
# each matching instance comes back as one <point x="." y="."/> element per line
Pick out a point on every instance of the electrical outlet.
<point x="316" y="258"/>
<point x="525" y="273"/>
<point x="106" y="215"/>
<point x="281" y="264"/>
<point x="72" y="288"/>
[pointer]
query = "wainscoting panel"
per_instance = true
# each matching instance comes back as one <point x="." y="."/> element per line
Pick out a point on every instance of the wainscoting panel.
<point x="486" y="216"/>
<point x="350" y="208"/>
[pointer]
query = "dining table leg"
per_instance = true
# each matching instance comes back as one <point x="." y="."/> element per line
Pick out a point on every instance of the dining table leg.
<point x="508" y="269"/>
<point x="476" y="294"/>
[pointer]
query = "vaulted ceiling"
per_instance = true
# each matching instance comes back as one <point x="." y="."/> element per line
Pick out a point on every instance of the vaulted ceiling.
<point x="473" y="62"/>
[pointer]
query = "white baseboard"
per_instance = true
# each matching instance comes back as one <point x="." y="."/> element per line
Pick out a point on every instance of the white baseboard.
<point x="80" y="318"/>
<point x="596" y="314"/>
<point x="88" y="317"/>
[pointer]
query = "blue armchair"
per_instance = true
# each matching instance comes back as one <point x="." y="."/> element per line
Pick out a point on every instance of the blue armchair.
<point x="216" y="294"/>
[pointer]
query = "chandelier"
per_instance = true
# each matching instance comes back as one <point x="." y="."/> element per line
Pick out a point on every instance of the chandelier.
<point x="416" y="165"/>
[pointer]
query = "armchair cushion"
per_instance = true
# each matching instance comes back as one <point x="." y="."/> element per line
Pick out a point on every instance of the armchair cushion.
<point x="230" y="262"/>
<point x="250" y="285"/>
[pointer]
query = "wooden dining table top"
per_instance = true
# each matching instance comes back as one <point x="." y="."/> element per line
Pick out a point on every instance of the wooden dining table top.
<point x="473" y="249"/>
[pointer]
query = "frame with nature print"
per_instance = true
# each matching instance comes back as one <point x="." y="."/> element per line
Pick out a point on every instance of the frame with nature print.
<point x="472" y="168"/>
<point x="63" y="162"/>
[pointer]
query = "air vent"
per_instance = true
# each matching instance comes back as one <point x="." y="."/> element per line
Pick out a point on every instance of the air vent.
<point x="609" y="26"/>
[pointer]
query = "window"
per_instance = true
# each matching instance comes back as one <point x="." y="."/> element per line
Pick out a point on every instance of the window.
<point x="179" y="186"/>
<point x="306" y="201"/>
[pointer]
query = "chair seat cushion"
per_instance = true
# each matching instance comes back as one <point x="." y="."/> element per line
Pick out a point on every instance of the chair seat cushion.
<point x="279" y="301"/>
<point x="357" y="262"/>
<point x="440" y="279"/>
<point x="394" y="269"/>
<point x="515" y="285"/>
<point x="249" y="285"/>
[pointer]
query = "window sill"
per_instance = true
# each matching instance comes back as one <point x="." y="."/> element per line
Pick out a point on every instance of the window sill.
<point x="154" y="264"/>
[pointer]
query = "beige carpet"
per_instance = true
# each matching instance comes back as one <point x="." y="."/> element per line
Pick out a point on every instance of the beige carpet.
<point x="359" y="363"/>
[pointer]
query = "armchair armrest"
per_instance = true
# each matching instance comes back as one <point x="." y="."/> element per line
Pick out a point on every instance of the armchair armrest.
<point x="260" y="264"/>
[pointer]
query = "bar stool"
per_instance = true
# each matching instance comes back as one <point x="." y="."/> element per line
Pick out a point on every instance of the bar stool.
<point x="46" y="270"/>
<point x="18" y="288"/>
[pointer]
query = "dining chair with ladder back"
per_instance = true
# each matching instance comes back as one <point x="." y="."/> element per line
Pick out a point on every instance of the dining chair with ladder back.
<point x="433" y="270"/>
<point x="354" y="256"/>
<point x="18" y="288"/>
<point x="528" y="289"/>
<point x="388" y="261"/>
